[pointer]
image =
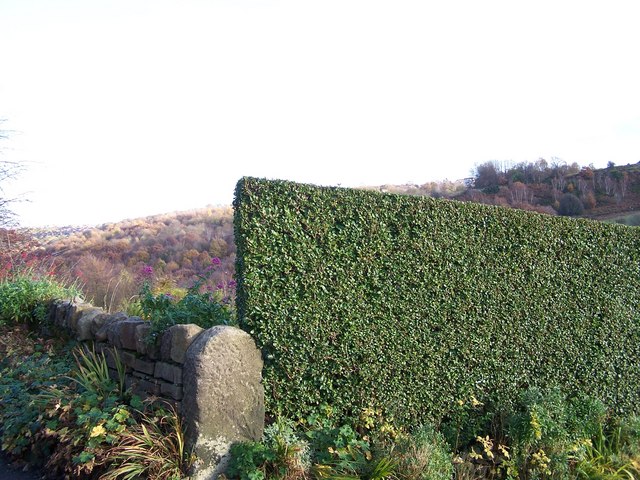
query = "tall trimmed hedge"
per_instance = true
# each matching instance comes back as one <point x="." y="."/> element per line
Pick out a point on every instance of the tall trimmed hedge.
<point x="358" y="298"/>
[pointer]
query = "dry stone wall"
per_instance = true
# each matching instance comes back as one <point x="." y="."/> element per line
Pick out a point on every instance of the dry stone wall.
<point x="213" y="377"/>
<point x="150" y="370"/>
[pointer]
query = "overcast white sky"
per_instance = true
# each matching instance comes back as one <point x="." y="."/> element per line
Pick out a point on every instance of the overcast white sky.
<point x="125" y="108"/>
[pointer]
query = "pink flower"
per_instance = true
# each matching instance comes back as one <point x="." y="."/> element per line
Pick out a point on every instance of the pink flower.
<point x="147" y="271"/>
<point x="216" y="261"/>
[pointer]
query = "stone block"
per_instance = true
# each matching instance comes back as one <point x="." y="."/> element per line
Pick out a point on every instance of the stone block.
<point x="110" y="357"/>
<point x="176" y="340"/>
<point x="62" y="310"/>
<point x="101" y="324"/>
<point x="75" y="312"/>
<point x="141" y="334"/>
<point x="51" y="313"/>
<point x="223" y="396"/>
<point x="170" y="373"/>
<point x="170" y="390"/>
<point x="113" y="375"/>
<point x="145" y="367"/>
<point x="128" y="358"/>
<point x="151" y="350"/>
<point x="129" y="381"/>
<point x="151" y="387"/>
<point x="122" y="332"/>
<point x="137" y="389"/>
<point x="85" y="322"/>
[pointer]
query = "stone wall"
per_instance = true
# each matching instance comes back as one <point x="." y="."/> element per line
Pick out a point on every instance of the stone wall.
<point x="213" y="377"/>
<point x="151" y="371"/>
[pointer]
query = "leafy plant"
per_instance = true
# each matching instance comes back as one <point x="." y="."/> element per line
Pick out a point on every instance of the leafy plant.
<point x="25" y="372"/>
<point x="281" y="454"/>
<point x="546" y="427"/>
<point x="467" y="418"/>
<point x="292" y="454"/>
<point x="24" y="299"/>
<point x="317" y="447"/>
<point x="85" y="423"/>
<point x="353" y="464"/>
<point x="202" y="304"/>
<point x="61" y="410"/>
<point x="359" y="449"/>
<point x="630" y="439"/>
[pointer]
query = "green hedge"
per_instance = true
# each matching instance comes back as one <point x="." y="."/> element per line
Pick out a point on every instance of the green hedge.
<point x="358" y="298"/>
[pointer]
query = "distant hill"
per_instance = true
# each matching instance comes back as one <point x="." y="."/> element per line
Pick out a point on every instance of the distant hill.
<point x="110" y="261"/>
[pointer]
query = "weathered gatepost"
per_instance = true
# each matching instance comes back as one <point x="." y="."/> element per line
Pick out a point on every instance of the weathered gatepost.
<point x="223" y="398"/>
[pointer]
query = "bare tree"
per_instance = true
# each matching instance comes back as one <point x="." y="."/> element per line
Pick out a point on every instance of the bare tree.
<point x="621" y="182"/>
<point x="609" y="185"/>
<point x="8" y="171"/>
<point x="558" y="183"/>
<point x="520" y="194"/>
<point x="541" y="167"/>
<point x="582" y="185"/>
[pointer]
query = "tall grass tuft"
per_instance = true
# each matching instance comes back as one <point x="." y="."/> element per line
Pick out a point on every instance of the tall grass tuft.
<point x="92" y="372"/>
<point x="153" y="448"/>
<point x="605" y="457"/>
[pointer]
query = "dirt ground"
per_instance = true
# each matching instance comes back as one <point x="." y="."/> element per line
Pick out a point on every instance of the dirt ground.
<point x="9" y="473"/>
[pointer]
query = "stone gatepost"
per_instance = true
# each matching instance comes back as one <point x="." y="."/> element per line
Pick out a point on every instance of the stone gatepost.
<point x="223" y="398"/>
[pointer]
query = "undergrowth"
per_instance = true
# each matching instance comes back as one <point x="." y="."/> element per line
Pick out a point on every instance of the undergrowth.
<point x="544" y="436"/>
<point x="64" y="411"/>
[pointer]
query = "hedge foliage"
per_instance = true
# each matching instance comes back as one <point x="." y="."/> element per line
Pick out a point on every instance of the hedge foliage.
<point x="358" y="298"/>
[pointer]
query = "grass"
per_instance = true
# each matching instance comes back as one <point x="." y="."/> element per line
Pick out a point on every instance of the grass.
<point x="630" y="219"/>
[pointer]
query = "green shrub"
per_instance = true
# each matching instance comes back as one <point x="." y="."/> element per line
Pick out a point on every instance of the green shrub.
<point x="547" y="427"/>
<point x="546" y="435"/>
<point x="409" y="303"/>
<point x="60" y="413"/>
<point x="570" y="205"/>
<point x="316" y="448"/>
<point x="249" y="460"/>
<point x="466" y="419"/>
<point x="24" y="299"/>
<point x="630" y="433"/>
<point x="92" y="373"/>
<point x="201" y="308"/>
<point x="281" y="454"/>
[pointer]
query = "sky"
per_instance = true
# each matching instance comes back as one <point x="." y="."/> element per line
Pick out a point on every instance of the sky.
<point x="126" y="108"/>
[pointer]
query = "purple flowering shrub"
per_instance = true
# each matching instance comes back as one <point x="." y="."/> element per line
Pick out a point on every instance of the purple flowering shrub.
<point x="203" y="304"/>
